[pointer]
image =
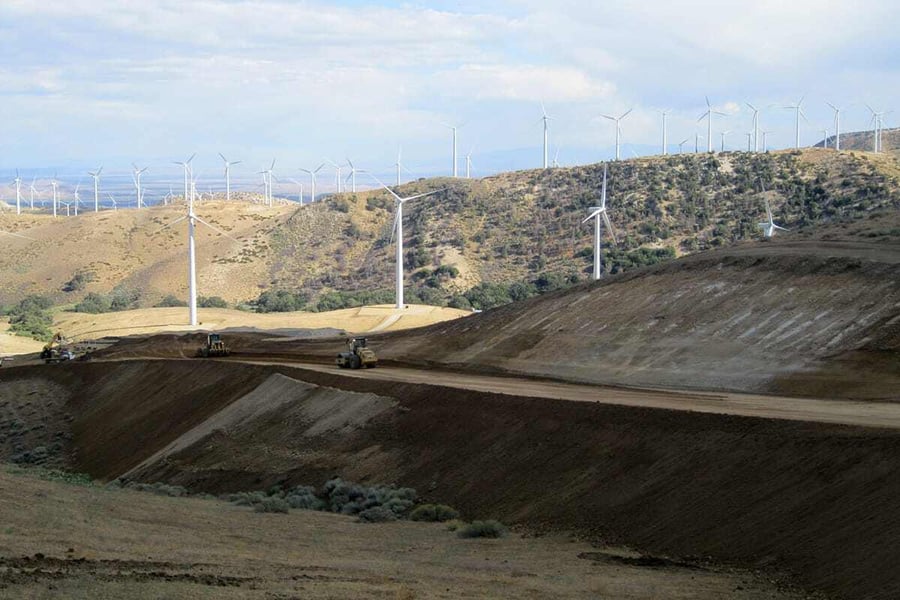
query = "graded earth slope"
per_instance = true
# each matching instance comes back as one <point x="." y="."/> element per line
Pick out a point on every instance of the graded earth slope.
<point x="816" y="501"/>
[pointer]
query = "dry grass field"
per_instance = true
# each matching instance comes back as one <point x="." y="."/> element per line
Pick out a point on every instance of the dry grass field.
<point x="62" y="540"/>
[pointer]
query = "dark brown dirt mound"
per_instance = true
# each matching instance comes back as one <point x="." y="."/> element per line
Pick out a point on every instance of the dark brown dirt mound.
<point x="818" y="501"/>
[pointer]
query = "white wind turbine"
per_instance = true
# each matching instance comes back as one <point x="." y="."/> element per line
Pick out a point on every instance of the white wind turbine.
<point x="192" y="219"/>
<point x="469" y="163"/>
<point x="453" y="128"/>
<point x="397" y="229"/>
<point x="749" y="135"/>
<point x="598" y="212"/>
<point x="188" y="167"/>
<point x="556" y="159"/>
<point x="113" y="200"/>
<point x="352" y="176"/>
<point x="837" y="125"/>
<point x="697" y="138"/>
<point x="546" y="119"/>
<point x="618" y="122"/>
<point x="136" y="176"/>
<point x="312" y="176"/>
<point x="300" y="192"/>
<point x="769" y="226"/>
<point x="33" y="191"/>
<point x="55" y="185"/>
<point x="96" y="176"/>
<point x="77" y="198"/>
<point x="723" y="134"/>
<point x="338" y="180"/>
<point x="18" y="182"/>
<point x="824" y="137"/>
<point x="268" y="176"/>
<point x="756" y="112"/>
<point x="681" y="145"/>
<point x="765" y="143"/>
<point x="399" y="163"/>
<point x="228" y="166"/>
<point x="877" y="121"/>
<point x="798" y="109"/>
<point x="708" y="116"/>
<point x="665" y="132"/>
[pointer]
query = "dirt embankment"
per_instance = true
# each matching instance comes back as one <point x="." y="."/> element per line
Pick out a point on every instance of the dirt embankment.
<point x="818" y="501"/>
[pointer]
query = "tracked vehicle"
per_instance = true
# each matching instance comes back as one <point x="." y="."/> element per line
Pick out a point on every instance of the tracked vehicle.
<point x="357" y="356"/>
<point x="215" y="346"/>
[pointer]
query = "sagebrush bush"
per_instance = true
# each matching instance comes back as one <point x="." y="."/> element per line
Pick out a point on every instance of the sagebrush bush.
<point x="377" y="514"/>
<point x="436" y="513"/>
<point x="304" y="497"/>
<point x="272" y="504"/>
<point x="482" y="529"/>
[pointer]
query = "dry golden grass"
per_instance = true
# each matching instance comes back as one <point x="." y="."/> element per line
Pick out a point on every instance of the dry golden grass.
<point x="85" y="542"/>
<point x="79" y="326"/>
<point x="11" y="344"/>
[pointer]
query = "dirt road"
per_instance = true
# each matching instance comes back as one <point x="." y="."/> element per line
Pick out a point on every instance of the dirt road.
<point x="842" y="412"/>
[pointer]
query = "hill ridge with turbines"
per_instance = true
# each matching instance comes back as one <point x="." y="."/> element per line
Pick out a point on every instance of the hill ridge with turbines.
<point x="519" y="227"/>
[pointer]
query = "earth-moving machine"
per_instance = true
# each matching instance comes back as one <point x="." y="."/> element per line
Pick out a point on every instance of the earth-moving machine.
<point x="56" y="350"/>
<point x="214" y="347"/>
<point x="357" y="356"/>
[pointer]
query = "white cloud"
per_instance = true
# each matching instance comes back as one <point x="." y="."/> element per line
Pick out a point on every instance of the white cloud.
<point x="523" y="82"/>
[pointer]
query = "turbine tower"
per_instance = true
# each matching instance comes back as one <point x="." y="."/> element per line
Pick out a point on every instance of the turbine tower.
<point x="352" y="176"/>
<point x="708" y="116"/>
<point x="618" y="122"/>
<point x="453" y="128"/>
<point x="18" y="182"/>
<point x="33" y="191"/>
<point x="300" y="192"/>
<point x="228" y="166"/>
<point x="681" y="145"/>
<point x="192" y="220"/>
<point x="55" y="185"/>
<point x="77" y="198"/>
<point x="765" y="143"/>
<point x="877" y="120"/>
<point x="96" y="176"/>
<point x="837" y="125"/>
<point x="755" y="128"/>
<point x="312" y="175"/>
<point x="397" y="229"/>
<point x="598" y="212"/>
<point x="798" y="108"/>
<point x="469" y="163"/>
<point x="824" y="137"/>
<point x="188" y="174"/>
<point x="723" y="134"/>
<point x="337" y="175"/>
<point x="665" y="132"/>
<point x="546" y="119"/>
<point x="136" y="176"/>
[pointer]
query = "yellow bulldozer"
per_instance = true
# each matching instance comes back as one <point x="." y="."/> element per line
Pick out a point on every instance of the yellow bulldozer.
<point x="57" y="350"/>
<point x="357" y="356"/>
<point x="214" y="347"/>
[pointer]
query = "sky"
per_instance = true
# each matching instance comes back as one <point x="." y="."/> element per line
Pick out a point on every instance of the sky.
<point x="88" y="82"/>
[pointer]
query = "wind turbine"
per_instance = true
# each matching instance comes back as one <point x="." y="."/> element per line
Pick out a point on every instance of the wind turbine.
<point x="756" y="112"/>
<point x="665" y="132"/>
<point x="749" y="141"/>
<point x="697" y="138"/>
<point x="598" y="212"/>
<point x="877" y="120"/>
<point x="453" y="128"/>
<point x="723" y="134"/>
<point x="765" y="140"/>
<point x="681" y="145"/>
<point x="556" y="159"/>
<point x="33" y="192"/>
<point x="228" y="166"/>
<point x="708" y="116"/>
<point x="352" y="175"/>
<point x="77" y="198"/>
<point x="188" y="173"/>
<point x="824" y="137"/>
<point x="113" y="199"/>
<point x="136" y="176"/>
<point x="546" y="119"/>
<point x="798" y="108"/>
<point x="18" y="182"/>
<point x="312" y="175"/>
<point x="268" y="174"/>
<point x="96" y="177"/>
<point x="769" y="226"/>
<point x="618" y="121"/>
<point x="300" y="193"/>
<point x="469" y="163"/>
<point x="837" y="125"/>
<point x="337" y="175"/>
<point x="397" y="229"/>
<point x="192" y="219"/>
<point x="55" y="184"/>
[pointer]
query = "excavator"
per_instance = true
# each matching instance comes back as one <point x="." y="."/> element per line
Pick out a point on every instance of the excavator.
<point x="357" y="356"/>
<point x="56" y="350"/>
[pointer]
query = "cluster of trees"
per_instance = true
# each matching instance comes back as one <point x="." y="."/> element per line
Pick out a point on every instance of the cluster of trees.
<point x="31" y="317"/>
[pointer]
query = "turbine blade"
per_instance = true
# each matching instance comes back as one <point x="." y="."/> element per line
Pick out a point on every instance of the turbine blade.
<point x="223" y="157"/>
<point x="214" y="228"/>
<point x="394" y="226"/>
<point x="423" y="195"/>
<point x="173" y="223"/>
<point x="609" y="228"/>
<point x="592" y="215"/>
<point x="399" y="199"/>
<point x="18" y="235"/>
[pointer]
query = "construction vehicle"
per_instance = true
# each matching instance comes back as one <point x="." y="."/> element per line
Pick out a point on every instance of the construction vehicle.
<point x="214" y="347"/>
<point x="56" y="350"/>
<point x="357" y="356"/>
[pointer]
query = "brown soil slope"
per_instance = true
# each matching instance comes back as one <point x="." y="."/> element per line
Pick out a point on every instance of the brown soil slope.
<point x="800" y="318"/>
<point x="818" y="501"/>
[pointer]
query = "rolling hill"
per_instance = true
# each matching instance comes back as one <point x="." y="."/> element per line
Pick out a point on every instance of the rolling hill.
<point x="520" y="228"/>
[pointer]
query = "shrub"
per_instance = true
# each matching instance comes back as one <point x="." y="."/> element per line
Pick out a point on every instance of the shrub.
<point x="170" y="300"/>
<point x="433" y="513"/>
<point x="280" y="301"/>
<point x="272" y="504"/>
<point x="377" y="514"/>
<point x="482" y="529"/>
<point x="78" y="282"/>
<point x="211" y="302"/>
<point x="93" y="303"/>
<point x="30" y="318"/>
<point x="304" y="497"/>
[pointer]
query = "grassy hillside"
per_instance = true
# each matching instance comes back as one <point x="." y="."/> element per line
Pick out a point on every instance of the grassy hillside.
<point x="865" y="141"/>
<point x="515" y="227"/>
